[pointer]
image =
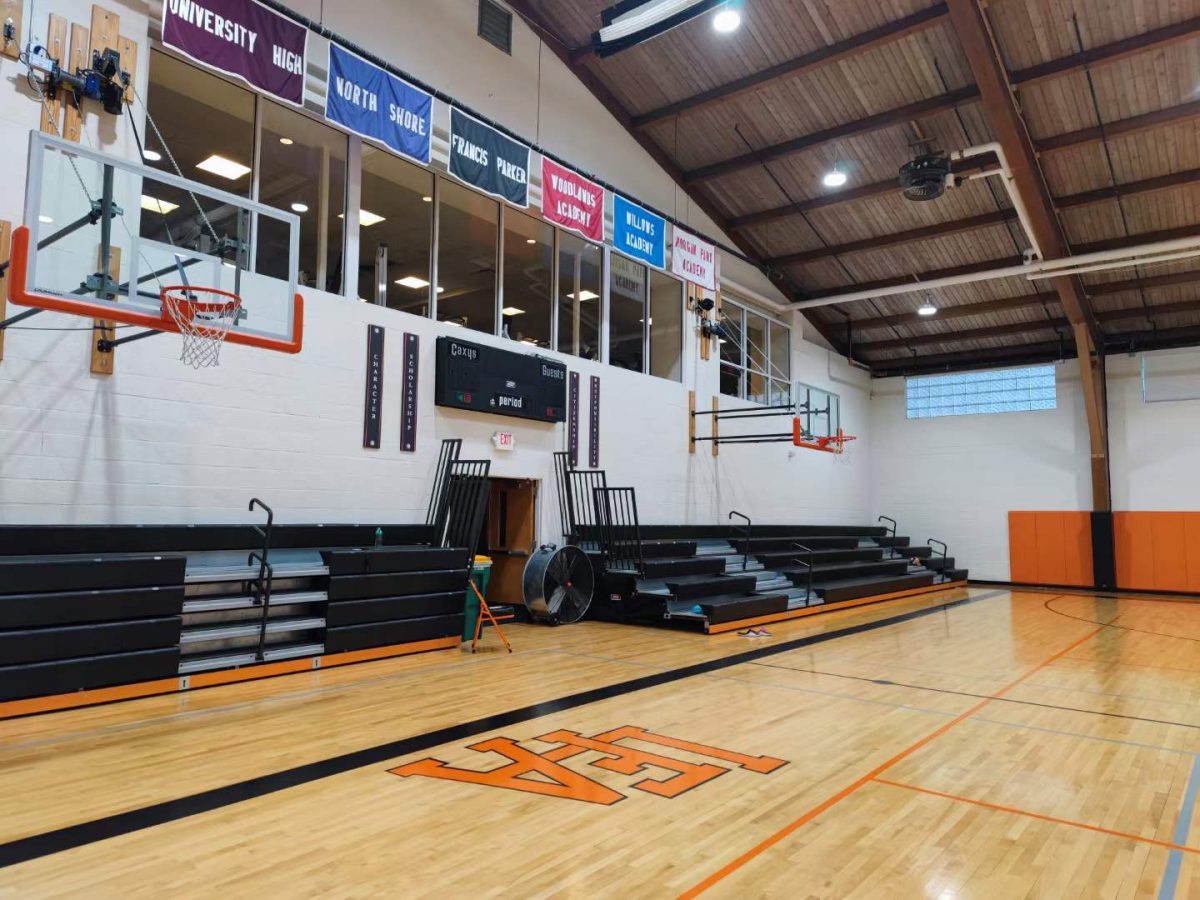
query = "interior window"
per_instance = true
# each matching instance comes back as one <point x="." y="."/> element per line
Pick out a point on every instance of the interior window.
<point x="666" y="326"/>
<point x="579" y="272"/>
<point x="528" y="278"/>
<point x="394" y="253"/>
<point x="468" y="224"/>
<point x="626" y="314"/>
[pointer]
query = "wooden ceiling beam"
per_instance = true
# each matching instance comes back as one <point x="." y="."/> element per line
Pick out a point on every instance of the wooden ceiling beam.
<point x="965" y="311"/>
<point x="1175" y="279"/>
<point x="851" y="46"/>
<point x="1138" y="43"/>
<point x="967" y="334"/>
<point x="1133" y="240"/>
<point x="971" y="223"/>
<point x="991" y="357"/>
<point x="1120" y="127"/>
<point x="1128" y="189"/>
<point x="1004" y="118"/>
<point x="886" y="119"/>
<point x="1146" y="312"/>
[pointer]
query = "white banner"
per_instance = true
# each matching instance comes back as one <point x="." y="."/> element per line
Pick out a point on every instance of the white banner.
<point x="693" y="260"/>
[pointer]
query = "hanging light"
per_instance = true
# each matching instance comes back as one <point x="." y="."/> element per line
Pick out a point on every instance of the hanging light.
<point x="927" y="308"/>
<point x="835" y="177"/>
<point x="727" y="20"/>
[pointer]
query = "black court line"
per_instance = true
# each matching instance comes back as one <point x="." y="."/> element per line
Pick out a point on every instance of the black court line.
<point x="72" y="836"/>
<point x="920" y="687"/>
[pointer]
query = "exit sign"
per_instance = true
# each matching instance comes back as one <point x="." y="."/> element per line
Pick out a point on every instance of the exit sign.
<point x="504" y="440"/>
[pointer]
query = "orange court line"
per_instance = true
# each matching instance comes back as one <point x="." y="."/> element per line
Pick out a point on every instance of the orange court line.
<point x="1034" y="815"/>
<point x="755" y="851"/>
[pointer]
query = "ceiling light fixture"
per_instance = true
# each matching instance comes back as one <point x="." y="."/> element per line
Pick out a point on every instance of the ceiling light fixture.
<point x="927" y="308"/>
<point x="287" y="142"/>
<point x="225" y="168"/>
<point x="531" y="240"/>
<point x="623" y="27"/>
<point x="834" y="178"/>
<point x="300" y="207"/>
<point x="427" y="199"/>
<point x="441" y="290"/>
<point x="366" y="218"/>
<point x="727" y="21"/>
<point x="513" y="311"/>
<point x="584" y="296"/>
<point x="412" y="281"/>
<point x="46" y="220"/>
<point x="151" y="155"/>
<point x="153" y="204"/>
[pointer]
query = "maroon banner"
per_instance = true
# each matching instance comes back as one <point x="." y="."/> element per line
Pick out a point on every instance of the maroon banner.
<point x="571" y="200"/>
<point x="242" y="38"/>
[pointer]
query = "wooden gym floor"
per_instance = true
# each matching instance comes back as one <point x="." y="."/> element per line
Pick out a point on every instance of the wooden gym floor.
<point x="973" y="743"/>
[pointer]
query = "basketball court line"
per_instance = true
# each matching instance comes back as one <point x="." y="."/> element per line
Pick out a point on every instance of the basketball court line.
<point x="1173" y="846"/>
<point x="72" y="836"/>
<point x="1183" y="824"/>
<point x="852" y="788"/>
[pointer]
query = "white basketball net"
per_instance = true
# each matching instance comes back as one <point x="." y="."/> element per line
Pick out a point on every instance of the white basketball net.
<point x="204" y="318"/>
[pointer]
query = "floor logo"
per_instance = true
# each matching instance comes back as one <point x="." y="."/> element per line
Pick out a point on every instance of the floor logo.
<point x="542" y="773"/>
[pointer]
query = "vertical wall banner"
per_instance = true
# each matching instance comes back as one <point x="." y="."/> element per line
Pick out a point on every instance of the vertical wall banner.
<point x="639" y="233"/>
<point x="570" y="200"/>
<point x="694" y="260"/>
<point x="573" y="419"/>
<point x="373" y="402"/>
<point x="376" y="104"/>
<point x="594" y="426"/>
<point x="484" y="158"/>
<point x="242" y="38"/>
<point x="408" y="401"/>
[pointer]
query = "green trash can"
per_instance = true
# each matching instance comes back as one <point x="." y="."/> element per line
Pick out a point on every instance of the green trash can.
<point x="481" y="574"/>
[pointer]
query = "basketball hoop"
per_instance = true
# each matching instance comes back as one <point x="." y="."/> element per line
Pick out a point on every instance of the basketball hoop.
<point x="834" y="443"/>
<point x="204" y="323"/>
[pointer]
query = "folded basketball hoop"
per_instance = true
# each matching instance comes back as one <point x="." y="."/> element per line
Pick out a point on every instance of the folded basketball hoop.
<point x="203" y="323"/>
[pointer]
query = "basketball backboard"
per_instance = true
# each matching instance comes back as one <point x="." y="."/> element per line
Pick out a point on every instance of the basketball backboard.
<point x="819" y="412"/>
<point x="162" y="231"/>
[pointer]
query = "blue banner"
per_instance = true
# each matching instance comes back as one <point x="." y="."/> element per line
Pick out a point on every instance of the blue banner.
<point x="639" y="233"/>
<point x="378" y="105"/>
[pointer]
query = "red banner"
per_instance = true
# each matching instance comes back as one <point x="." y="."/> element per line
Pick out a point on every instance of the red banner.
<point x="571" y="200"/>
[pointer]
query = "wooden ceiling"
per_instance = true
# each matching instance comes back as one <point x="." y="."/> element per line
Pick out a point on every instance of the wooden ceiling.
<point x="1108" y="92"/>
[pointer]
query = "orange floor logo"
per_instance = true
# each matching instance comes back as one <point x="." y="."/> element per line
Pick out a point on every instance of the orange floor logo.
<point x="542" y="773"/>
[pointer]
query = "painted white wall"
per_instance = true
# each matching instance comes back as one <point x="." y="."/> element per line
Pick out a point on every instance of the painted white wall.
<point x="1155" y="447"/>
<point x="158" y="442"/>
<point x="956" y="478"/>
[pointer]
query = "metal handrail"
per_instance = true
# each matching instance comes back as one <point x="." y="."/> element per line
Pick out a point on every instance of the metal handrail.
<point x="749" y="536"/>
<point x="811" y="562"/>
<point x="892" y="554"/>
<point x="945" y="547"/>
<point x="266" y="574"/>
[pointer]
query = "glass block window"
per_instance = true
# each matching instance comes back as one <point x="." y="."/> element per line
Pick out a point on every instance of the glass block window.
<point x="976" y="393"/>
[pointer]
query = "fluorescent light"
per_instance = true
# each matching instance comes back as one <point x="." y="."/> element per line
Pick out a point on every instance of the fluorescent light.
<point x="45" y="220"/>
<point x="727" y="20"/>
<point x="152" y="155"/>
<point x="927" y="309"/>
<point x="513" y="311"/>
<point x="441" y="290"/>
<point x="584" y="295"/>
<point x="226" y="168"/>
<point x="531" y="240"/>
<point x="366" y="218"/>
<point x="300" y="207"/>
<point x="153" y="204"/>
<point x="427" y="199"/>
<point x="287" y="142"/>
<point x="834" y="178"/>
<point x="412" y="281"/>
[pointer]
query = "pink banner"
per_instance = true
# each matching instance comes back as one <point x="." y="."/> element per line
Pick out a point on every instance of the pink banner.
<point x="571" y="200"/>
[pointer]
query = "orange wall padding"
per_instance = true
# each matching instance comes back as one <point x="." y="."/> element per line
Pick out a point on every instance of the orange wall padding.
<point x="1157" y="551"/>
<point x="1050" y="547"/>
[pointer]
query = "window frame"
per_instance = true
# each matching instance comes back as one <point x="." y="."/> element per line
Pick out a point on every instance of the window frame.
<point x="744" y="368"/>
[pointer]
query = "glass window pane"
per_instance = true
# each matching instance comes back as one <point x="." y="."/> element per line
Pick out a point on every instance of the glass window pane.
<point x="528" y="278"/>
<point x="756" y="386"/>
<point x="627" y="309"/>
<point x="402" y="194"/>
<point x="731" y="346"/>
<point x="971" y="393"/>
<point x="731" y="380"/>
<point x="468" y="224"/>
<point x="756" y="342"/>
<point x="781" y="352"/>
<point x="666" y="326"/>
<point x="307" y="176"/>
<point x="579" y="265"/>
<point x="181" y="95"/>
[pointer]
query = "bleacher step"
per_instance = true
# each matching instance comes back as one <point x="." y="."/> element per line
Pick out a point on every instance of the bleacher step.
<point x="223" y="604"/>
<point x="695" y="587"/>
<point x="731" y="607"/>
<point x="826" y="572"/>
<point x="855" y="588"/>
<point x="194" y="664"/>
<point x="209" y="574"/>
<point x="230" y="631"/>
<point x="690" y="565"/>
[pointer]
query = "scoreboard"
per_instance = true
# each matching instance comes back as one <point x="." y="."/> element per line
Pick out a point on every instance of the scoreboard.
<point x="491" y="380"/>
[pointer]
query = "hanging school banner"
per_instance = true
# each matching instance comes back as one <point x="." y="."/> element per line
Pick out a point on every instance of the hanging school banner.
<point x="376" y="104"/>
<point x="694" y="260"/>
<point x="246" y="39"/>
<point x="571" y="200"/>
<point x="639" y="233"/>
<point x="484" y="158"/>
